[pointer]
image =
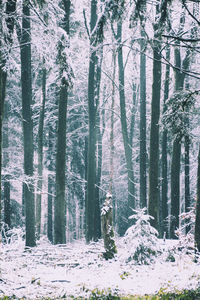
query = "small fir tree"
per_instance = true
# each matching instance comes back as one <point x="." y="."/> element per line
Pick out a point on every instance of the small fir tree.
<point x="141" y="239"/>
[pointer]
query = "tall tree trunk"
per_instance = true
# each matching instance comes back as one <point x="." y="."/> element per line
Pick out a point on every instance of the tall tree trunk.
<point x="40" y="154"/>
<point x="154" y="192"/>
<point x="10" y="9"/>
<point x="197" y="218"/>
<point x="99" y="132"/>
<point x="6" y="178"/>
<point x="143" y="150"/>
<point x="154" y="136"/>
<point x="164" y="184"/>
<point x="112" y="148"/>
<point x="126" y="141"/>
<point x="187" y="168"/>
<point x="91" y="160"/>
<point x="60" y="201"/>
<point x="27" y="125"/>
<point x="176" y="153"/>
<point x="51" y="189"/>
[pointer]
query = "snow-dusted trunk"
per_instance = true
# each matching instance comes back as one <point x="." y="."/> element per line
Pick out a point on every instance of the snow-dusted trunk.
<point x="6" y="177"/>
<point x="51" y="186"/>
<point x="4" y="37"/>
<point x="176" y="152"/>
<point x="40" y="155"/>
<point x="164" y="183"/>
<point x="126" y="141"/>
<point x="26" y="79"/>
<point x="197" y="218"/>
<point x="60" y="199"/>
<point x="154" y="192"/>
<point x="91" y="158"/>
<point x="107" y="228"/>
<point x="154" y="136"/>
<point x="143" y="150"/>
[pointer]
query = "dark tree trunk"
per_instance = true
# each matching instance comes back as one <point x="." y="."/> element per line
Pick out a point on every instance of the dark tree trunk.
<point x="10" y="9"/>
<point x="27" y="125"/>
<point x="197" y="218"/>
<point x="100" y="132"/>
<point x="175" y="186"/>
<point x="60" y="202"/>
<point x="126" y="141"/>
<point x="176" y="153"/>
<point x="154" y="137"/>
<point x="154" y="191"/>
<point x="91" y="160"/>
<point x="164" y="185"/>
<point x="143" y="150"/>
<point x="40" y="155"/>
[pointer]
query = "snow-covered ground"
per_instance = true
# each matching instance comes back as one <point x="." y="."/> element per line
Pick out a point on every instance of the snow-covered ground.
<point x="76" y="269"/>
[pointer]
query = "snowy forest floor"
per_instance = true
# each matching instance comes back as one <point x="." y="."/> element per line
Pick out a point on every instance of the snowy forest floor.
<point x="79" y="270"/>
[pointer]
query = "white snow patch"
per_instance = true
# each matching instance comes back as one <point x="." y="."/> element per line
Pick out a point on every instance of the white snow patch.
<point x="73" y="269"/>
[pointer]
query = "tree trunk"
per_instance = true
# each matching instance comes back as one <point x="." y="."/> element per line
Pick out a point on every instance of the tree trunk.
<point x="112" y="149"/>
<point x="10" y="9"/>
<point x="175" y="186"/>
<point x="51" y="189"/>
<point x="154" y="137"/>
<point x="143" y="150"/>
<point x="100" y="132"/>
<point x="60" y="204"/>
<point x="40" y="155"/>
<point x="164" y="184"/>
<point x="91" y="160"/>
<point x="176" y="153"/>
<point x="27" y="125"/>
<point x="127" y="146"/>
<point x="60" y="201"/>
<point x="6" y="178"/>
<point x="197" y="218"/>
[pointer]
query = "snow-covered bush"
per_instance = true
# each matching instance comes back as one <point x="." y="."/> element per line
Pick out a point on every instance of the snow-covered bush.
<point x="141" y="239"/>
<point x="12" y="236"/>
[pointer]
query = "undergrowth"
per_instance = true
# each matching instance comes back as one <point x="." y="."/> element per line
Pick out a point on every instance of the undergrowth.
<point x="107" y="295"/>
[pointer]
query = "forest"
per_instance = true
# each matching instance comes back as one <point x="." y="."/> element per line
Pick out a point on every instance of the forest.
<point x="99" y="148"/>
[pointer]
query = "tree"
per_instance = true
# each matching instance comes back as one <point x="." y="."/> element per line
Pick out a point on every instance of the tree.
<point x="123" y="115"/>
<point x="153" y="209"/>
<point x="164" y="171"/>
<point x="176" y="151"/>
<point x="65" y="76"/>
<point x="197" y="218"/>
<point x="143" y="151"/>
<point x="5" y="38"/>
<point x="40" y="153"/>
<point x="26" y="81"/>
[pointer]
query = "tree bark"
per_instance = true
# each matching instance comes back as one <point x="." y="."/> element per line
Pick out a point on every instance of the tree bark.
<point x="164" y="184"/>
<point x="60" y="201"/>
<point x="6" y="177"/>
<point x="10" y="9"/>
<point x="143" y="150"/>
<point x="126" y="141"/>
<point x="51" y="187"/>
<point x="27" y="125"/>
<point x="91" y="160"/>
<point x="154" y="137"/>
<point x="40" y="155"/>
<point x="197" y="218"/>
